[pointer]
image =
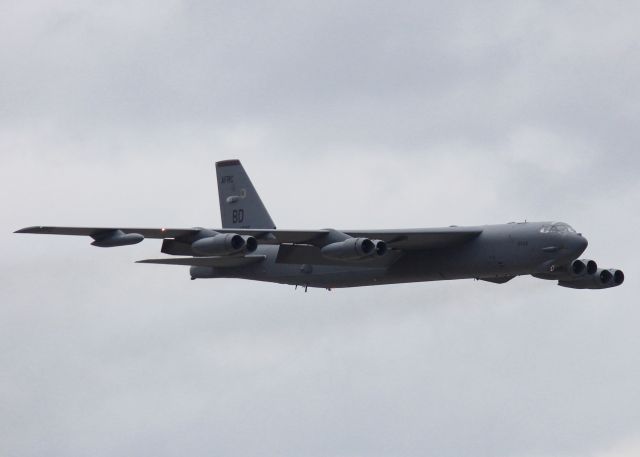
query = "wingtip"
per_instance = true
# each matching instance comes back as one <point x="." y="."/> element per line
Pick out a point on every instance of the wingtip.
<point x="27" y="229"/>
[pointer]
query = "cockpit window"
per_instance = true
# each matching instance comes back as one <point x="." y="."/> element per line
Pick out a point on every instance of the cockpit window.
<point x="557" y="227"/>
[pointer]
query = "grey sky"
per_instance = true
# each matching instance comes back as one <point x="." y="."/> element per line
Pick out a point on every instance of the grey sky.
<point x="345" y="114"/>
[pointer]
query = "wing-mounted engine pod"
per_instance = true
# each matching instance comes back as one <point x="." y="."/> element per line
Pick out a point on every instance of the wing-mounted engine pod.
<point x="577" y="270"/>
<point x="220" y="244"/>
<point x="380" y="246"/>
<point x="601" y="279"/>
<point x="583" y="266"/>
<point x="349" y="249"/>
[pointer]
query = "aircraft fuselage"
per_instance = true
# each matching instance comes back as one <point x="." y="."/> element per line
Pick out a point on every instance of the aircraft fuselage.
<point x="498" y="253"/>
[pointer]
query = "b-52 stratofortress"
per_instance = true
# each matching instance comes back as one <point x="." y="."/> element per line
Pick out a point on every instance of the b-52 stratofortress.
<point x="248" y="246"/>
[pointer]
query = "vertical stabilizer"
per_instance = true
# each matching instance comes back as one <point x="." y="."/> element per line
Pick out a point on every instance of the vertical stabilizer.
<point x="240" y="204"/>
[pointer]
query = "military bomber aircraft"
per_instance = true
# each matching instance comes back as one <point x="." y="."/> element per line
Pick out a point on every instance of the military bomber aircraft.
<point x="248" y="246"/>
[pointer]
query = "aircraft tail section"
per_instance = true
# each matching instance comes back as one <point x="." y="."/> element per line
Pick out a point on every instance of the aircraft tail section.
<point x="240" y="204"/>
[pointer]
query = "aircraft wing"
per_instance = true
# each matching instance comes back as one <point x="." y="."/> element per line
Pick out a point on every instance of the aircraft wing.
<point x="96" y="231"/>
<point x="419" y="239"/>
<point x="265" y="235"/>
<point x="304" y="247"/>
<point x="403" y="239"/>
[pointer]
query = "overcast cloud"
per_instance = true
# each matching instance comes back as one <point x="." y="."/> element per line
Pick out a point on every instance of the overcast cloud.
<point x="348" y="115"/>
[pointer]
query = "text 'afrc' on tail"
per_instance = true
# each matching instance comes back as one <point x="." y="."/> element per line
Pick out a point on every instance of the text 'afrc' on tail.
<point x="240" y="204"/>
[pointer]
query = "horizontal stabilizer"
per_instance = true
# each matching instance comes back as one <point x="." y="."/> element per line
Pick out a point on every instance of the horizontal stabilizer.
<point x="217" y="261"/>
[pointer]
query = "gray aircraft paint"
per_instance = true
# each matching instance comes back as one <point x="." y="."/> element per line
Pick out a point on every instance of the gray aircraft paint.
<point x="495" y="253"/>
<point x="240" y="204"/>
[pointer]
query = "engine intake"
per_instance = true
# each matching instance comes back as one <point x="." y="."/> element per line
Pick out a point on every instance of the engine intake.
<point x="618" y="277"/>
<point x="250" y="243"/>
<point x="380" y="246"/>
<point x="592" y="266"/>
<point x="605" y="277"/>
<point x="578" y="267"/>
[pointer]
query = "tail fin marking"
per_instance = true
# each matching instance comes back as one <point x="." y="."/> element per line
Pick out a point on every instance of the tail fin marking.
<point x="240" y="204"/>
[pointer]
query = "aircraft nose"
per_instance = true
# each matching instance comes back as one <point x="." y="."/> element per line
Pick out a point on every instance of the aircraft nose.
<point x="578" y="244"/>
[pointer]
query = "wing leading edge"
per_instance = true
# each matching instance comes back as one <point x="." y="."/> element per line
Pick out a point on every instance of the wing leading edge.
<point x="404" y="239"/>
<point x="97" y="231"/>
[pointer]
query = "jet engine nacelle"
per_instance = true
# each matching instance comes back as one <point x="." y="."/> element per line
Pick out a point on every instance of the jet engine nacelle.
<point x="224" y="244"/>
<point x="600" y="279"/>
<point x="351" y="249"/>
<point x="582" y="267"/>
<point x="571" y="271"/>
